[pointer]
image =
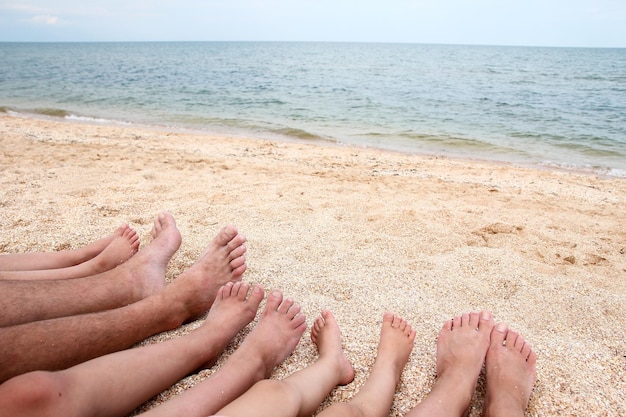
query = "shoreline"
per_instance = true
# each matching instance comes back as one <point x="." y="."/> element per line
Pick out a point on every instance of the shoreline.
<point x="356" y="230"/>
<point x="68" y="117"/>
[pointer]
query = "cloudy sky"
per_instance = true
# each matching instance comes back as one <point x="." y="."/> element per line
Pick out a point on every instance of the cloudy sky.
<point x="595" y="23"/>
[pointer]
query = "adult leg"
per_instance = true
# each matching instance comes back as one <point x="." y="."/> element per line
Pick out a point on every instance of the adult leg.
<point x="63" y="342"/>
<point x="26" y="301"/>
<point x="510" y="371"/>
<point x="115" y="384"/>
<point x="461" y="348"/>
<point x="33" y="261"/>
<point x="374" y="399"/>
<point x="301" y="393"/>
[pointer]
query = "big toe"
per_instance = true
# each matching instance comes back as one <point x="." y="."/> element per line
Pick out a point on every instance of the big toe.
<point x="225" y="235"/>
<point x="498" y="334"/>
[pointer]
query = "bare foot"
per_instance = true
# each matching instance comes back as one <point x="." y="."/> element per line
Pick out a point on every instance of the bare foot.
<point x="222" y="261"/>
<point x="276" y="335"/>
<point x="125" y="243"/>
<point x="510" y="371"/>
<point x="232" y="310"/>
<point x="147" y="268"/>
<point x="327" y="337"/>
<point x="95" y="248"/>
<point x="461" y="348"/>
<point x="396" y="343"/>
<point x="376" y="396"/>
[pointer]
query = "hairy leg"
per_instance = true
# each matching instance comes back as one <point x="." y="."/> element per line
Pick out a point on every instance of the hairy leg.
<point x="65" y="341"/>
<point x="132" y="376"/>
<point x="276" y="335"/>
<point x="510" y="370"/>
<point x="124" y="244"/>
<point x="28" y="301"/>
<point x="461" y="348"/>
<point x="301" y="393"/>
<point x="374" y="399"/>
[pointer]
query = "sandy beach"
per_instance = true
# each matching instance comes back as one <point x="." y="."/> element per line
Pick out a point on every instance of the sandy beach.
<point x="358" y="231"/>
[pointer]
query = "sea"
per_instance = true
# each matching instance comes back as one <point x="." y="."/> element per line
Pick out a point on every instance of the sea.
<point x="562" y="108"/>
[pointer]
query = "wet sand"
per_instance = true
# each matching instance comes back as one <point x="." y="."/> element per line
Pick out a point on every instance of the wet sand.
<point x="358" y="231"/>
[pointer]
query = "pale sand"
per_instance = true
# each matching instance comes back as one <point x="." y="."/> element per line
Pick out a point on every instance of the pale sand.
<point x="358" y="231"/>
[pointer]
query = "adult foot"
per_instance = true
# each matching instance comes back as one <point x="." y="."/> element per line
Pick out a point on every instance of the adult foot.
<point x="396" y="343"/>
<point x="276" y="335"/>
<point x="510" y="370"/>
<point x="125" y="243"/>
<point x="147" y="268"/>
<point x="235" y="306"/>
<point x="221" y="262"/>
<point x="327" y="337"/>
<point x="461" y="348"/>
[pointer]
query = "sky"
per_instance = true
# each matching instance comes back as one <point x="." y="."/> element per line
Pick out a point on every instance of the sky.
<point x="577" y="23"/>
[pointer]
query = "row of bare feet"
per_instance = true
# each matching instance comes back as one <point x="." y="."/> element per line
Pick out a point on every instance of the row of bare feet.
<point x="465" y="344"/>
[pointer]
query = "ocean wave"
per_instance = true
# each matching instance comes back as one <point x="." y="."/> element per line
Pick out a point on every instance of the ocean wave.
<point x="298" y="134"/>
<point x="98" y="120"/>
<point x="53" y="112"/>
<point x="60" y="114"/>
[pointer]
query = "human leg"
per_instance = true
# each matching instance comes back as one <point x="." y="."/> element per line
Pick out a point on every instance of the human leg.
<point x="73" y="263"/>
<point x="276" y="335"/>
<point x="65" y="341"/>
<point x="115" y="384"/>
<point x="461" y="348"/>
<point x="26" y="301"/>
<point x="510" y="370"/>
<point x="301" y="393"/>
<point x="374" y="399"/>
<point x="34" y="261"/>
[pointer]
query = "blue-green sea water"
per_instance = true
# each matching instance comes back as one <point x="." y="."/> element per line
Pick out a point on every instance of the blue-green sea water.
<point x="560" y="107"/>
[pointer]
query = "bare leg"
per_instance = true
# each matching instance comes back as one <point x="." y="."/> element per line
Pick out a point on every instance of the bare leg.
<point x="272" y="340"/>
<point x="510" y="370"/>
<point x="461" y="348"/>
<point x="65" y="341"/>
<point x="301" y="393"/>
<point x="32" y="261"/>
<point x="374" y="399"/>
<point x="27" y="301"/>
<point x="121" y="247"/>
<point x="115" y="384"/>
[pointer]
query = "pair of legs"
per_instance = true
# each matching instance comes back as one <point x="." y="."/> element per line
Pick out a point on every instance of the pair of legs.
<point x="301" y="393"/>
<point x="117" y="383"/>
<point x="467" y="342"/>
<point x="54" y="324"/>
<point x="464" y="344"/>
<point x="99" y="256"/>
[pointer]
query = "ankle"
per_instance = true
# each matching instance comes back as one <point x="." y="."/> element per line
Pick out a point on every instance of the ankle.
<point x="458" y="394"/>
<point x="503" y="405"/>
<point x="175" y="310"/>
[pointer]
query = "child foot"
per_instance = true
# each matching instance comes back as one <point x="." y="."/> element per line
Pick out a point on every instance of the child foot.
<point x="234" y="308"/>
<point x="124" y="244"/>
<point x="396" y="343"/>
<point x="327" y="336"/>
<point x="276" y="335"/>
<point x="510" y="370"/>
